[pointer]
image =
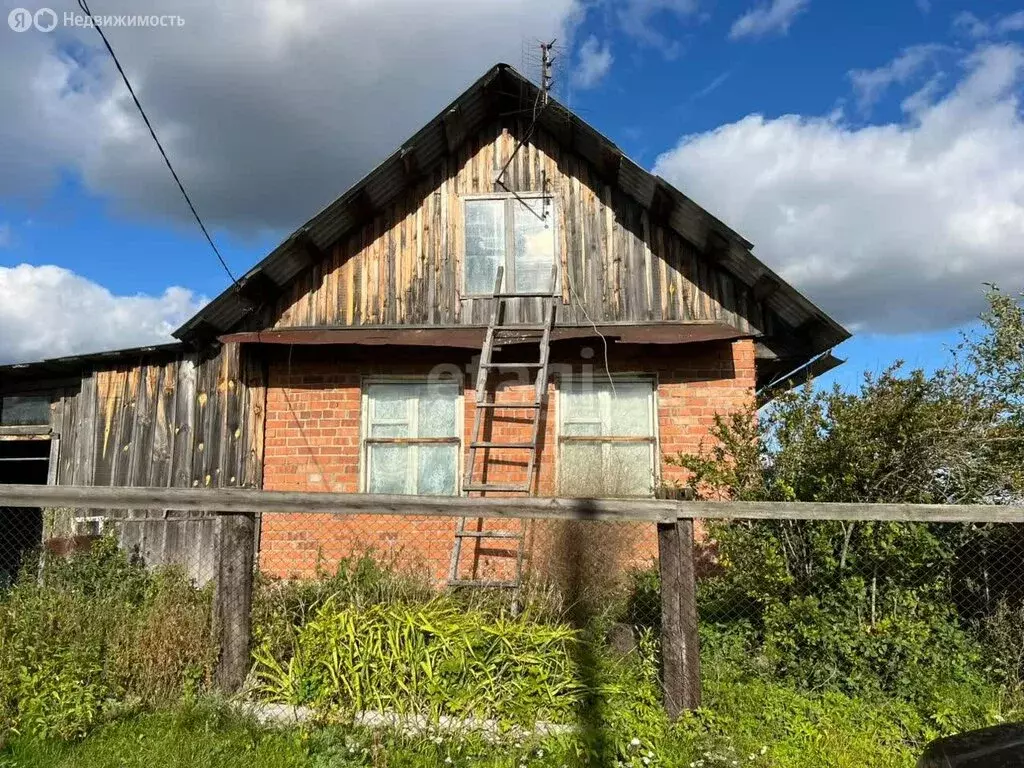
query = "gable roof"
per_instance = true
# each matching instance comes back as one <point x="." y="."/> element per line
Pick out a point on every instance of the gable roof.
<point x="500" y="90"/>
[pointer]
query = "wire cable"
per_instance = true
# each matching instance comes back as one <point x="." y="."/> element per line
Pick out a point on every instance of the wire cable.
<point x="85" y="9"/>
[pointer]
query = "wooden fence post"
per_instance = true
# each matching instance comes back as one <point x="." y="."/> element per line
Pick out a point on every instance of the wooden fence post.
<point x="680" y="647"/>
<point x="233" y="599"/>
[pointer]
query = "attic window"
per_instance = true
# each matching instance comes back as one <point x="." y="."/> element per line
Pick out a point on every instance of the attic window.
<point x="24" y="410"/>
<point x="516" y="232"/>
<point x="411" y="438"/>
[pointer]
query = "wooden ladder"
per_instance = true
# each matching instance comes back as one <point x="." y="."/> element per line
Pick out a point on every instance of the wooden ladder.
<point x="498" y="334"/>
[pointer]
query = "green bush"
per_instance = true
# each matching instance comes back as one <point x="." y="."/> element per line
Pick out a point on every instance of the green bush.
<point x="825" y="636"/>
<point x="913" y="651"/>
<point x="1004" y="638"/>
<point x="87" y="633"/>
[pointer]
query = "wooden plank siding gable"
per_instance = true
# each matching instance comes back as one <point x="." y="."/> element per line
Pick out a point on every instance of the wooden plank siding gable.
<point x="619" y="263"/>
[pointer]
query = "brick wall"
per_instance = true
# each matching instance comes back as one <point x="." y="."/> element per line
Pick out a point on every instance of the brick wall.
<point x="313" y="426"/>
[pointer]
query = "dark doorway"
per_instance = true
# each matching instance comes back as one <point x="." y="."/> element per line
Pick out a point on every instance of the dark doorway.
<point x="24" y="462"/>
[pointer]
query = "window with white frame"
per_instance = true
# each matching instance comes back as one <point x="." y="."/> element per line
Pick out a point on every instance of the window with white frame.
<point x="411" y="439"/>
<point x="516" y="232"/>
<point x="607" y="444"/>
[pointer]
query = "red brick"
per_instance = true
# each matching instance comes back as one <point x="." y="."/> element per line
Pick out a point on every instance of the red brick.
<point x="312" y="442"/>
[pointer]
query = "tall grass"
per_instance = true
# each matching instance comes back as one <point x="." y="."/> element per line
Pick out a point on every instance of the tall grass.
<point x="435" y="658"/>
<point x="93" y="633"/>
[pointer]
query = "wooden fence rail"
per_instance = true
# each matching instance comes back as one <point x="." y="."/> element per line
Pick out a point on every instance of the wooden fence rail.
<point x="245" y="501"/>
<point x="680" y="656"/>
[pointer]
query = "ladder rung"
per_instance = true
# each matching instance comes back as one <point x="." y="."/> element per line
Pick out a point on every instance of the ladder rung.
<point x="511" y="366"/>
<point x="510" y="406"/>
<point x="489" y="535"/>
<point x="485" y="487"/>
<point x="473" y="583"/>
<point x="523" y="446"/>
<point x="520" y="327"/>
<point x="516" y="337"/>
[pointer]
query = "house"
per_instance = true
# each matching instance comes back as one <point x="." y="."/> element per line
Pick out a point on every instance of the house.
<point x="347" y="359"/>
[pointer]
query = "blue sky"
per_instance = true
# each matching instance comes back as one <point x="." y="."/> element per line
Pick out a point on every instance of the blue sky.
<point x="867" y="149"/>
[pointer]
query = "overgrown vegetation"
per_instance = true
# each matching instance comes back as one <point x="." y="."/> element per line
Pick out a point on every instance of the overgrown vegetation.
<point x="434" y="658"/>
<point x="92" y="634"/>
<point x="922" y="613"/>
<point x="480" y="659"/>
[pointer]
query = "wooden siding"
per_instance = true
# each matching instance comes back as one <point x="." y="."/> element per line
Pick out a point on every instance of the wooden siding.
<point x="193" y="420"/>
<point x="618" y="264"/>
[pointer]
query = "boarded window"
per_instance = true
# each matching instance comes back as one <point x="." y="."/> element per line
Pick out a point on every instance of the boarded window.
<point x="516" y="233"/>
<point x="411" y="438"/>
<point x="24" y="410"/>
<point x="606" y="436"/>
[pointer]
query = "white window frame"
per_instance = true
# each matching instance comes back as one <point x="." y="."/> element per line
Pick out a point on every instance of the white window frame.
<point x="365" y="441"/>
<point x="509" y="281"/>
<point x="653" y="439"/>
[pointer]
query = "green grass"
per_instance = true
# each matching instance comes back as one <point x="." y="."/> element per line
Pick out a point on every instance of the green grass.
<point x="195" y="738"/>
<point x="189" y="738"/>
<point x="754" y="722"/>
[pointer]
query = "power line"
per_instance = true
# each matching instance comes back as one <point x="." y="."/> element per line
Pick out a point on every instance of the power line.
<point x="85" y="9"/>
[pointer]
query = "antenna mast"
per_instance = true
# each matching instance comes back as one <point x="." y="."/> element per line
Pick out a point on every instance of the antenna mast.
<point x="546" y="76"/>
<point x="547" y="79"/>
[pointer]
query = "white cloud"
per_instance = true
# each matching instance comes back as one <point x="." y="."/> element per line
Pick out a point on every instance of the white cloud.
<point x="767" y="18"/>
<point x="268" y="110"/>
<point x="49" y="311"/>
<point x="997" y="26"/>
<point x="870" y="84"/>
<point x="889" y="227"/>
<point x="924" y="6"/>
<point x="641" y="20"/>
<point x="595" y="62"/>
<point x="1012" y="23"/>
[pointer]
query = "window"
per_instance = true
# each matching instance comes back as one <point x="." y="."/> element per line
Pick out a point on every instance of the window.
<point x="410" y="437"/>
<point x="516" y="233"/>
<point x="606" y="438"/>
<point x="24" y="410"/>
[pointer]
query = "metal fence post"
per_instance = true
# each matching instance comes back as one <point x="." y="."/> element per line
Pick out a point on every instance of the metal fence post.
<point x="680" y="647"/>
<point x="233" y="599"/>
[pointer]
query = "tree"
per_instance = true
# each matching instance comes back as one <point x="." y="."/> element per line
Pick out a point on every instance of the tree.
<point x="827" y="595"/>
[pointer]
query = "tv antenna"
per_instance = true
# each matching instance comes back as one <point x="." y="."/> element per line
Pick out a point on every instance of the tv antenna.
<point x="540" y="103"/>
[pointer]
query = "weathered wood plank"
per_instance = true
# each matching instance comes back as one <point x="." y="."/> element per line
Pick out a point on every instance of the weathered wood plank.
<point x="85" y="472"/>
<point x="231" y="401"/>
<point x="163" y="426"/>
<point x="183" y="445"/>
<point x="233" y="600"/>
<point x="680" y="646"/>
<point x="239" y="500"/>
<point x="69" y="434"/>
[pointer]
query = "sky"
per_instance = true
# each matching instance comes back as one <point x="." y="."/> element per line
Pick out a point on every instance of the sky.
<point x="872" y="151"/>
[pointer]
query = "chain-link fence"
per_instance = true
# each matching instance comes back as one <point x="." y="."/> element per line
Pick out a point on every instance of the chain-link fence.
<point x="536" y="618"/>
